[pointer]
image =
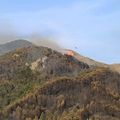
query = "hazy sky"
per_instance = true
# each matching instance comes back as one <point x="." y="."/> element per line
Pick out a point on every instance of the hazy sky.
<point x="91" y="27"/>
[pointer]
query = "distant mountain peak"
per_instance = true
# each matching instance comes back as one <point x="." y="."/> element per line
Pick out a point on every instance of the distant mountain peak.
<point x="12" y="45"/>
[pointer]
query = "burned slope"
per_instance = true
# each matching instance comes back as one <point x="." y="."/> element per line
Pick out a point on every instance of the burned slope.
<point x="93" y="63"/>
<point x="23" y="69"/>
<point x="38" y="59"/>
<point x="60" y="65"/>
<point x="94" y="94"/>
<point x="84" y="59"/>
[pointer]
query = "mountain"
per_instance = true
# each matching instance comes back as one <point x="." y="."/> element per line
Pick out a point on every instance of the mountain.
<point x="10" y="46"/>
<point x="86" y="60"/>
<point x="38" y="83"/>
<point x="93" y="94"/>
<point x="93" y="63"/>
<point x="39" y="59"/>
<point x="23" y="68"/>
<point x="115" y="67"/>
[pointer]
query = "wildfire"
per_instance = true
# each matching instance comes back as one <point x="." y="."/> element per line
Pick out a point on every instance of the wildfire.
<point x="70" y="53"/>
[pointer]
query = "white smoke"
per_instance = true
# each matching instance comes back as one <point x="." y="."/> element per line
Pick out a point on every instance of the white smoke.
<point x="9" y="33"/>
<point x="45" y="41"/>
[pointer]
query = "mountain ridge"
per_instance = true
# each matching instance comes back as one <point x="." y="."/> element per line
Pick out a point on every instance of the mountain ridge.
<point x="12" y="45"/>
<point x="16" y="44"/>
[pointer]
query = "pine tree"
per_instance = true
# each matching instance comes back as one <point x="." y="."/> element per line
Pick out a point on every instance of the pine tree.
<point x="42" y="117"/>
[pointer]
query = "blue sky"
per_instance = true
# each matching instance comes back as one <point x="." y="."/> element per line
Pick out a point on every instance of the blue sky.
<point x="90" y="27"/>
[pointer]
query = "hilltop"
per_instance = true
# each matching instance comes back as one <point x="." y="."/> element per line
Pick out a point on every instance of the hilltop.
<point x="10" y="46"/>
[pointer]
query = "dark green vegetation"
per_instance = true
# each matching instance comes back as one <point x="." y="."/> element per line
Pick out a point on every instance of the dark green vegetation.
<point x="37" y="83"/>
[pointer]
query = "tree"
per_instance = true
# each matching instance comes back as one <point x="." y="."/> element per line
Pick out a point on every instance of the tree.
<point x="42" y="117"/>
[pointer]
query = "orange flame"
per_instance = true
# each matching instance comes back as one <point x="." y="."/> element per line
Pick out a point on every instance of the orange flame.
<point x="70" y="53"/>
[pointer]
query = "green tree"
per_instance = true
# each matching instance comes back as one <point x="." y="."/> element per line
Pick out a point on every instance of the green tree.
<point x="42" y="117"/>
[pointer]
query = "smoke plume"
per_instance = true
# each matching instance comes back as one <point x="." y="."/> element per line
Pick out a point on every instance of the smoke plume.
<point x="9" y="33"/>
<point x="45" y="41"/>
